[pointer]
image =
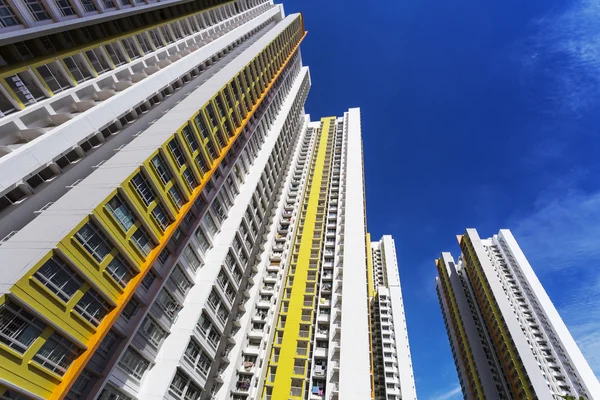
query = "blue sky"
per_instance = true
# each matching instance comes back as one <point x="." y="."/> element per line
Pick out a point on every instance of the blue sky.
<point x="474" y="114"/>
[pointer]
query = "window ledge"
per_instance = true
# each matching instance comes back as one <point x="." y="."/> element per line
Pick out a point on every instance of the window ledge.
<point x="45" y="370"/>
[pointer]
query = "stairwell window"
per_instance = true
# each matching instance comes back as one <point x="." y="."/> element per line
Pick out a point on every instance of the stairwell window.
<point x="94" y="241"/>
<point x="18" y="328"/>
<point x="134" y="363"/>
<point x="92" y="307"/>
<point x="58" y="278"/>
<point x="57" y="354"/>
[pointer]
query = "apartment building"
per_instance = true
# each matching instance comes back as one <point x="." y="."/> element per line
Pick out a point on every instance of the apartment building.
<point x="507" y="338"/>
<point x="174" y="225"/>
<point x="393" y="373"/>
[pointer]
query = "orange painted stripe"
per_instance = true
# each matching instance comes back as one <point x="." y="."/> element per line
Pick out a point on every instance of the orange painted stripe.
<point x="78" y="365"/>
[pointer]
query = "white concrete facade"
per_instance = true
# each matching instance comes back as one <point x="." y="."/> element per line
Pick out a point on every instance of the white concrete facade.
<point x="355" y="369"/>
<point x="398" y="376"/>
<point x="547" y="353"/>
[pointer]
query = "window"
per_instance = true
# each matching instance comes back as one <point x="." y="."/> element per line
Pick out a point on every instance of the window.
<point x="108" y="4"/>
<point x="212" y="151"/>
<point x="131" y="308"/>
<point x="190" y="179"/>
<point x="92" y="307"/>
<point x="176" y="196"/>
<point x="142" y="241"/>
<point x="202" y="240"/>
<point x="120" y="270"/>
<point x="53" y="76"/>
<point x="152" y="331"/>
<point x="168" y="304"/>
<point x="184" y="388"/>
<point x="148" y="280"/>
<point x="190" y="138"/>
<point x="77" y="68"/>
<point x="18" y="328"/>
<point x="161" y="169"/>
<point x="88" y="6"/>
<point x="144" y="43"/>
<point x="121" y="211"/>
<point x="56" y="354"/>
<point x="202" y="165"/>
<point x="65" y="8"/>
<point x="134" y="363"/>
<point x="155" y="36"/>
<point x="96" y="57"/>
<point x="94" y="241"/>
<point x="7" y="16"/>
<point x="192" y="258"/>
<point x="210" y="224"/>
<point x="164" y="255"/>
<point x="130" y="48"/>
<point x="143" y="188"/>
<point x="115" y="54"/>
<point x="161" y="216"/>
<point x="111" y="393"/>
<point x="80" y="386"/>
<point x="58" y="278"/>
<point x="198" y="358"/>
<point x="177" y="153"/>
<point x="180" y="279"/>
<point x="37" y="9"/>
<point x="107" y="344"/>
<point x="201" y="126"/>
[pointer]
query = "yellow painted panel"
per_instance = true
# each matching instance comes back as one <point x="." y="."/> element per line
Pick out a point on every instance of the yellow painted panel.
<point x="287" y="355"/>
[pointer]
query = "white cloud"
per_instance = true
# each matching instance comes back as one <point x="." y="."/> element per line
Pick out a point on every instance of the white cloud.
<point x="454" y="393"/>
<point x="565" y="53"/>
<point x="561" y="239"/>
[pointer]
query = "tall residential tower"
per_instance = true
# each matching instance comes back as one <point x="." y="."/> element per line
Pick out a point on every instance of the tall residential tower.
<point x="394" y="377"/>
<point x="507" y="338"/>
<point x="174" y="225"/>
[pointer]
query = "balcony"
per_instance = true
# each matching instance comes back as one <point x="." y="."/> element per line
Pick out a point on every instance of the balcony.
<point x="320" y="370"/>
<point x="323" y="317"/>
<point x="242" y="385"/>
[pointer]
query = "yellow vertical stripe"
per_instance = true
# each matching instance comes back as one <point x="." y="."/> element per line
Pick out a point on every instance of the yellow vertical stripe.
<point x="287" y="356"/>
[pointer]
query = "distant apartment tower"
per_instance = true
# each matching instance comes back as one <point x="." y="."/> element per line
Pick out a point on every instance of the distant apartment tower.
<point x="507" y="338"/>
<point x="394" y="378"/>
